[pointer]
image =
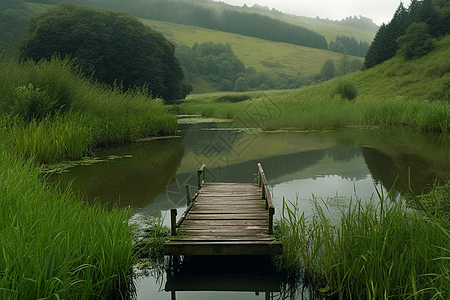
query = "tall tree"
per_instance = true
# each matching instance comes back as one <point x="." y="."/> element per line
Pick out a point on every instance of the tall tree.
<point x="113" y="46"/>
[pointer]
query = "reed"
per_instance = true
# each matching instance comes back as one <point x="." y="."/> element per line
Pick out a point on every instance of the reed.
<point x="87" y="114"/>
<point x="367" y="249"/>
<point x="52" y="244"/>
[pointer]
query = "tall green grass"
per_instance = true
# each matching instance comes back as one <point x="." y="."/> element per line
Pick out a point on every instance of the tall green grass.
<point x="83" y="115"/>
<point x="368" y="249"/>
<point x="52" y="245"/>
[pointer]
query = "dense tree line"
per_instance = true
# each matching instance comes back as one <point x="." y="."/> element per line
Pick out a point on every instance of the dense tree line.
<point x="217" y="64"/>
<point x="349" y="45"/>
<point x="249" y="24"/>
<point x="113" y="47"/>
<point x="14" y="18"/>
<point x="435" y="14"/>
<point x="355" y="22"/>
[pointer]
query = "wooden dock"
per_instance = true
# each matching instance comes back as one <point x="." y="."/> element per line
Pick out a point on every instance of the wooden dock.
<point x="225" y="219"/>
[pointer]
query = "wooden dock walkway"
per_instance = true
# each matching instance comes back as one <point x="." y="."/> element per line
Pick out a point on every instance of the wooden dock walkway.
<point x="225" y="219"/>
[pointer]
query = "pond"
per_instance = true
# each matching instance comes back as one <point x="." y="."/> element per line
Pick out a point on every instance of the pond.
<point x="151" y="177"/>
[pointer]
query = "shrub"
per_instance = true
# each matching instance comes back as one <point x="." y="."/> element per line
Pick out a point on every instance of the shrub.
<point x="33" y="103"/>
<point x="345" y="89"/>
<point x="233" y="98"/>
<point x="442" y="92"/>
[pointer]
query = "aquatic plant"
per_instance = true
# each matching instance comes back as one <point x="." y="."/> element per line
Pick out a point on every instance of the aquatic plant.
<point x="370" y="249"/>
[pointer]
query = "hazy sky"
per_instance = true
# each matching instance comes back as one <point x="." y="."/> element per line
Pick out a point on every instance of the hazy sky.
<point x="378" y="10"/>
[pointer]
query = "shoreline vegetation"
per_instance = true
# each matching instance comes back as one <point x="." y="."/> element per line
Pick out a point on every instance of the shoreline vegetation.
<point x="54" y="245"/>
<point x="401" y="93"/>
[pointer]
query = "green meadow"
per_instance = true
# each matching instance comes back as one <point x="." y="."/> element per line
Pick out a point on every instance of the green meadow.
<point x="396" y="93"/>
<point x="263" y="55"/>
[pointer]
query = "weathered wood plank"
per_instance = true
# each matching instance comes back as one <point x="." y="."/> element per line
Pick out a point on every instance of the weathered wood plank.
<point x="225" y="219"/>
<point x="193" y="216"/>
<point x="216" y="228"/>
<point x="208" y="223"/>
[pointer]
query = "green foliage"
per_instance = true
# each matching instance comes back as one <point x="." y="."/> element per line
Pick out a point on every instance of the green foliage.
<point x="328" y="70"/>
<point x="346" y="65"/>
<point x="14" y="20"/>
<point x="150" y="239"/>
<point x="111" y="46"/>
<point x="32" y="103"/>
<point x="367" y="249"/>
<point x="228" y="20"/>
<point x="54" y="245"/>
<point x="416" y="42"/>
<point x="346" y="89"/>
<point x="241" y="85"/>
<point x="349" y="45"/>
<point x="98" y="114"/>
<point x="384" y="45"/>
<point x="217" y="64"/>
<point x="232" y="98"/>
<point x="442" y="92"/>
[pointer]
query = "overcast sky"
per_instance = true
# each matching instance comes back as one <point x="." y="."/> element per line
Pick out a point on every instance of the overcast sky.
<point x="378" y="10"/>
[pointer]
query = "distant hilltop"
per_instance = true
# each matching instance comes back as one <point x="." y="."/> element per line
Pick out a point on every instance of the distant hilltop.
<point x="360" y="23"/>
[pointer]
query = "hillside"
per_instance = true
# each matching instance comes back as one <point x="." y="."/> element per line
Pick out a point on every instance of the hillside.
<point x="275" y="57"/>
<point x="395" y="93"/>
<point x="327" y="29"/>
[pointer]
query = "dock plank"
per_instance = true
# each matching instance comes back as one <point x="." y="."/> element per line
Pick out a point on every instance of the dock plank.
<point x="225" y="219"/>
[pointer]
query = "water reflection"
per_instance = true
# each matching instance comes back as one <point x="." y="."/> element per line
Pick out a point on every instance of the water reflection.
<point x="152" y="177"/>
<point x="228" y="277"/>
<point x="140" y="172"/>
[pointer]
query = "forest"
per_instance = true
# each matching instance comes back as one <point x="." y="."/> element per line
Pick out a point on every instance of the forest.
<point x="434" y="13"/>
<point x="217" y="64"/>
<point x="249" y="24"/>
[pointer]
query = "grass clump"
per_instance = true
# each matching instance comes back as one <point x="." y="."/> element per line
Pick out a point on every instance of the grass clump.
<point x="368" y="250"/>
<point x="346" y="90"/>
<point x="57" y="114"/>
<point x="53" y="244"/>
<point x="442" y="92"/>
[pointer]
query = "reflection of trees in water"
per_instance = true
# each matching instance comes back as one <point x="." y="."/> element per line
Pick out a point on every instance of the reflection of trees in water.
<point x="344" y="154"/>
<point x="387" y="170"/>
<point x="135" y="180"/>
<point x="210" y="143"/>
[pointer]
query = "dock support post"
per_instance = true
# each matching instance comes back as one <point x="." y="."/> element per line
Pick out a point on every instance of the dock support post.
<point x="173" y="221"/>
<point x="199" y="173"/>
<point x="271" y="213"/>
<point x="188" y="195"/>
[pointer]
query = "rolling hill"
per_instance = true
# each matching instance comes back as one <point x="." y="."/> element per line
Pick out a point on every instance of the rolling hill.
<point x="263" y="55"/>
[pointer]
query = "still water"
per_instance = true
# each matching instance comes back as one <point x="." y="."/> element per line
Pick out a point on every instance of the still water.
<point x="151" y="177"/>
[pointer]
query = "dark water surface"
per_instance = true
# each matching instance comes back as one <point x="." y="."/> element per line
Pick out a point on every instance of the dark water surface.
<point x="334" y="165"/>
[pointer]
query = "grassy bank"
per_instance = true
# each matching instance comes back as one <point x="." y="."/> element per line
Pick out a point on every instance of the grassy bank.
<point x="58" y="114"/>
<point x="368" y="250"/>
<point x="52" y="244"/>
<point x="396" y="93"/>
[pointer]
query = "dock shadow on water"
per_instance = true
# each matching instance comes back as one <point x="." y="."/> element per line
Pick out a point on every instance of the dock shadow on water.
<point x="223" y="277"/>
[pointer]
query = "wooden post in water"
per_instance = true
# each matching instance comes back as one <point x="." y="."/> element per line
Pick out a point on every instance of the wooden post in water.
<point x="173" y="221"/>
<point x="199" y="173"/>
<point x="266" y="196"/>
<point x="188" y="195"/>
